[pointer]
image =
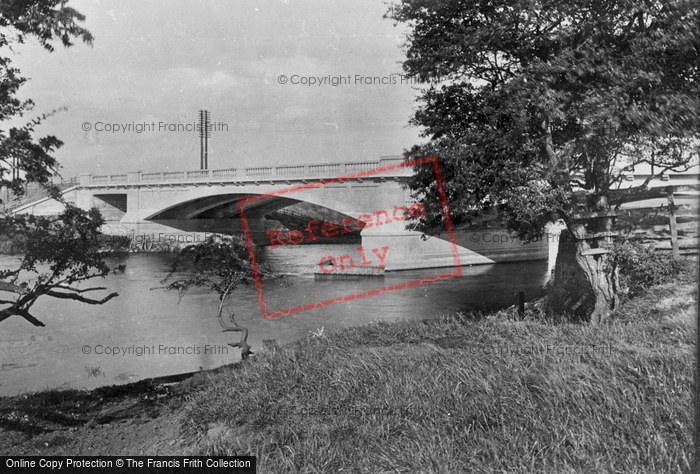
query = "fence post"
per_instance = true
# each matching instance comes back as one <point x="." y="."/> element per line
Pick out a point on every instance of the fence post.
<point x="521" y="304"/>
<point x="672" y="222"/>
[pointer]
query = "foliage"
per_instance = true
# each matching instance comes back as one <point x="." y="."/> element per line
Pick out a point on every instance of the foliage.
<point x="535" y="108"/>
<point x="26" y="159"/>
<point x="59" y="254"/>
<point x="548" y="102"/>
<point x="219" y="267"/>
<point x="641" y="267"/>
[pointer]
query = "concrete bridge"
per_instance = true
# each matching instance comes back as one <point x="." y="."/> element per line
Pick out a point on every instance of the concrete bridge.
<point x="184" y="206"/>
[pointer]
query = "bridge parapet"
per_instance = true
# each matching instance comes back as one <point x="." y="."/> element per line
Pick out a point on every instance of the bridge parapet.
<point x="312" y="171"/>
<point x="108" y="179"/>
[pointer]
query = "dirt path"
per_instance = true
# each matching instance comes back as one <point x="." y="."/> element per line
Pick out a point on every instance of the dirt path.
<point x="157" y="437"/>
<point x="130" y="420"/>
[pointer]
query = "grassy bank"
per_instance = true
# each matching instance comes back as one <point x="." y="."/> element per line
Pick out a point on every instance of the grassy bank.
<point x="459" y="395"/>
<point x="451" y="395"/>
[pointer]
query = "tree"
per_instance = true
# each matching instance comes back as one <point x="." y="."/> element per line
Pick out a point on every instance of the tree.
<point x="59" y="253"/>
<point x="220" y="267"/>
<point x="24" y="159"/>
<point x="536" y="108"/>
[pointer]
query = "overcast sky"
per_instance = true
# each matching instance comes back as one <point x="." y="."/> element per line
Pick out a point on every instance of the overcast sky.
<point x="163" y="60"/>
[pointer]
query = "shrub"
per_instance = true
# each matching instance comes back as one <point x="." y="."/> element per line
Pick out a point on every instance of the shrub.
<point x="641" y="267"/>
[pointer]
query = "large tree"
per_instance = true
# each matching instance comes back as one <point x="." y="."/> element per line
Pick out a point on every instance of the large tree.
<point x="58" y="253"/>
<point x="535" y="108"/>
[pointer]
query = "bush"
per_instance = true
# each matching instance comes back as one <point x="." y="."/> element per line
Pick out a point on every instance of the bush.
<point x="641" y="267"/>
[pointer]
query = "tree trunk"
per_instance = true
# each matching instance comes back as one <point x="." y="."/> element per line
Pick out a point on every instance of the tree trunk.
<point x="585" y="284"/>
<point x="602" y="278"/>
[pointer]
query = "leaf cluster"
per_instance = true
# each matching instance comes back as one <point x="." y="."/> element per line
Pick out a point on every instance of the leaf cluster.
<point x="58" y="254"/>
<point x="45" y="20"/>
<point x="219" y="266"/>
<point x="68" y="244"/>
<point x="532" y="106"/>
<point x="23" y="157"/>
<point x="642" y="267"/>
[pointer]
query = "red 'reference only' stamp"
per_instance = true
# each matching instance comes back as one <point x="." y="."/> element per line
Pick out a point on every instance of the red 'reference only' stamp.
<point x="374" y="257"/>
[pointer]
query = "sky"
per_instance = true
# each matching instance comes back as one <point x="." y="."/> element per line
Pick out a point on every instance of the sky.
<point x="155" y="63"/>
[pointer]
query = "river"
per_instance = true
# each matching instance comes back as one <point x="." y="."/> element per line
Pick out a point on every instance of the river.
<point x="146" y="332"/>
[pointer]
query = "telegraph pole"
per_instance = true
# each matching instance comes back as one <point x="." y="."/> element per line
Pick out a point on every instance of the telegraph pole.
<point x="204" y="133"/>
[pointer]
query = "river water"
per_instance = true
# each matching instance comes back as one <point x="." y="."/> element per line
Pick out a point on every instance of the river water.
<point x="146" y="332"/>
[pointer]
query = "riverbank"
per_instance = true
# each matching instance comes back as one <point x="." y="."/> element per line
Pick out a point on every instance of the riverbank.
<point x="456" y="394"/>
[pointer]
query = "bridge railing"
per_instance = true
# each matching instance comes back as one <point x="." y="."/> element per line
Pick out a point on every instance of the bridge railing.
<point x="327" y="170"/>
<point x="224" y="173"/>
<point x="35" y="192"/>
<point x="115" y="178"/>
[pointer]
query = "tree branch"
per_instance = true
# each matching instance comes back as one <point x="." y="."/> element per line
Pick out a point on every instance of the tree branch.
<point x="243" y="342"/>
<point x="82" y="299"/>
<point x="241" y="329"/>
<point x="77" y="290"/>
<point x="6" y="313"/>
<point x="11" y="287"/>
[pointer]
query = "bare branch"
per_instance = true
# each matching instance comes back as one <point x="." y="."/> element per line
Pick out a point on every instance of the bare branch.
<point x="241" y="329"/>
<point x="11" y="287"/>
<point x="82" y="299"/>
<point x="6" y="313"/>
<point x="649" y="178"/>
<point x="77" y="290"/>
<point x="243" y="342"/>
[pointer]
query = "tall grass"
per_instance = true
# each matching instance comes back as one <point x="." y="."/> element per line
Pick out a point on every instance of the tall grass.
<point x="457" y="395"/>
